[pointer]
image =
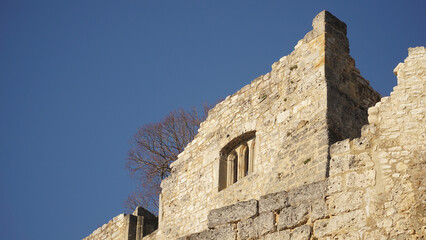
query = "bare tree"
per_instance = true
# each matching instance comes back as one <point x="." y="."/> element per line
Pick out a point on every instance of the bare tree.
<point x="153" y="148"/>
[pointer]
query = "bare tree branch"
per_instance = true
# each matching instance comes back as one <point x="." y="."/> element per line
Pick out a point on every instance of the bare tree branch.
<point x="154" y="147"/>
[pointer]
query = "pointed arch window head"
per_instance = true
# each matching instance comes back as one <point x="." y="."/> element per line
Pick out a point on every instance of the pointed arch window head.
<point x="237" y="159"/>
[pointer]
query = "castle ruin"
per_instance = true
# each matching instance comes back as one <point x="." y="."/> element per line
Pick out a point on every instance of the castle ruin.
<point x="307" y="151"/>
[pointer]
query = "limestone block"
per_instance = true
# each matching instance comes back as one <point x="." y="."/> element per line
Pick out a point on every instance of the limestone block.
<point x="292" y="216"/>
<point x="223" y="232"/>
<point x="361" y="143"/>
<point x="253" y="228"/>
<point x="319" y="210"/>
<point x="340" y="147"/>
<point x="273" y="202"/>
<point x="334" y="185"/>
<point x="307" y="193"/>
<point x="232" y="213"/>
<point x="340" y="164"/>
<point x="348" y="236"/>
<point x="346" y="201"/>
<point x="346" y="220"/>
<point x="361" y="180"/>
<point x="376" y="234"/>
<point x="368" y="130"/>
<point x="302" y="233"/>
<point x="281" y="235"/>
<point x="361" y="160"/>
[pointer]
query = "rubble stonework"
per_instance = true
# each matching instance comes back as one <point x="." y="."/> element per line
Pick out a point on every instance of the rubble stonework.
<point x="330" y="160"/>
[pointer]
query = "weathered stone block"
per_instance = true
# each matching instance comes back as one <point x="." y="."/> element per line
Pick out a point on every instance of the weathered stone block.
<point x="273" y="202"/>
<point x="319" y="210"/>
<point x="346" y="201"/>
<point x="339" y="164"/>
<point x="293" y="216"/>
<point x="340" y="147"/>
<point x="334" y="185"/>
<point x="281" y="235"/>
<point x="349" y="236"/>
<point x="307" y="193"/>
<point x="367" y="130"/>
<point x="223" y="232"/>
<point x="353" y="219"/>
<point x="302" y="233"/>
<point x="361" y="180"/>
<point x="253" y="228"/>
<point x="361" y="143"/>
<point x="232" y="213"/>
<point x="361" y="160"/>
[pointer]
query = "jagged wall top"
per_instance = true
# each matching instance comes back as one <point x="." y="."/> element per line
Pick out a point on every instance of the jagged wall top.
<point x="289" y="111"/>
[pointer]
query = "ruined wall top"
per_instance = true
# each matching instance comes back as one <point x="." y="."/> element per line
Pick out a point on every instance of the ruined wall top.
<point x="325" y="19"/>
<point x="410" y="67"/>
<point x="273" y="134"/>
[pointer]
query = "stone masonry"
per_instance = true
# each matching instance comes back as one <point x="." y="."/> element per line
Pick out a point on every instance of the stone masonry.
<point x="127" y="226"/>
<point x="307" y="151"/>
<point x="292" y="111"/>
<point x="376" y="187"/>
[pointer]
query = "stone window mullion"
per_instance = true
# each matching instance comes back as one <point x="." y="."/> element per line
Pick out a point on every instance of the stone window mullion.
<point x="230" y="167"/>
<point x="240" y="152"/>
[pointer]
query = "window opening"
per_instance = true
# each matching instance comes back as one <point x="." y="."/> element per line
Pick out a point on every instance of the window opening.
<point x="246" y="162"/>
<point x="236" y="159"/>
<point x="235" y="165"/>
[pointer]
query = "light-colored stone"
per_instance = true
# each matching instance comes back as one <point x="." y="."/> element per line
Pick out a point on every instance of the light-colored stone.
<point x="355" y="219"/>
<point x="302" y="233"/>
<point x="281" y="235"/>
<point x="310" y="147"/>
<point x="253" y="228"/>
<point x="232" y="213"/>
<point x="273" y="202"/>
<point x="292" y="216"/>
<point x="346" y="201"/>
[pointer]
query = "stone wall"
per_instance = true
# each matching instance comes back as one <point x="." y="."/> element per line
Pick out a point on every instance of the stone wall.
<point x="399" y="151"/>
<point x="127" y="226"/>
<point x="291" y="112"/>
<point x="115" y="229"/>
<point x="328" y="162"/>
<point x="376" y="187"/>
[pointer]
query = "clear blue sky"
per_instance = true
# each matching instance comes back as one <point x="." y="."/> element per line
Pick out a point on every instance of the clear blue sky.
<point x="77" y="78"/>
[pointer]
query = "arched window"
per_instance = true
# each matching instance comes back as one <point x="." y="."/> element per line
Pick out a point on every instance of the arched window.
<point x="237" y="160"/>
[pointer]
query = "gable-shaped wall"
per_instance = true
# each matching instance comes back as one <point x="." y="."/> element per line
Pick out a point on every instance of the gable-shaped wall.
<point x="290" y="112"/>
<point x="376" y="188"/>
